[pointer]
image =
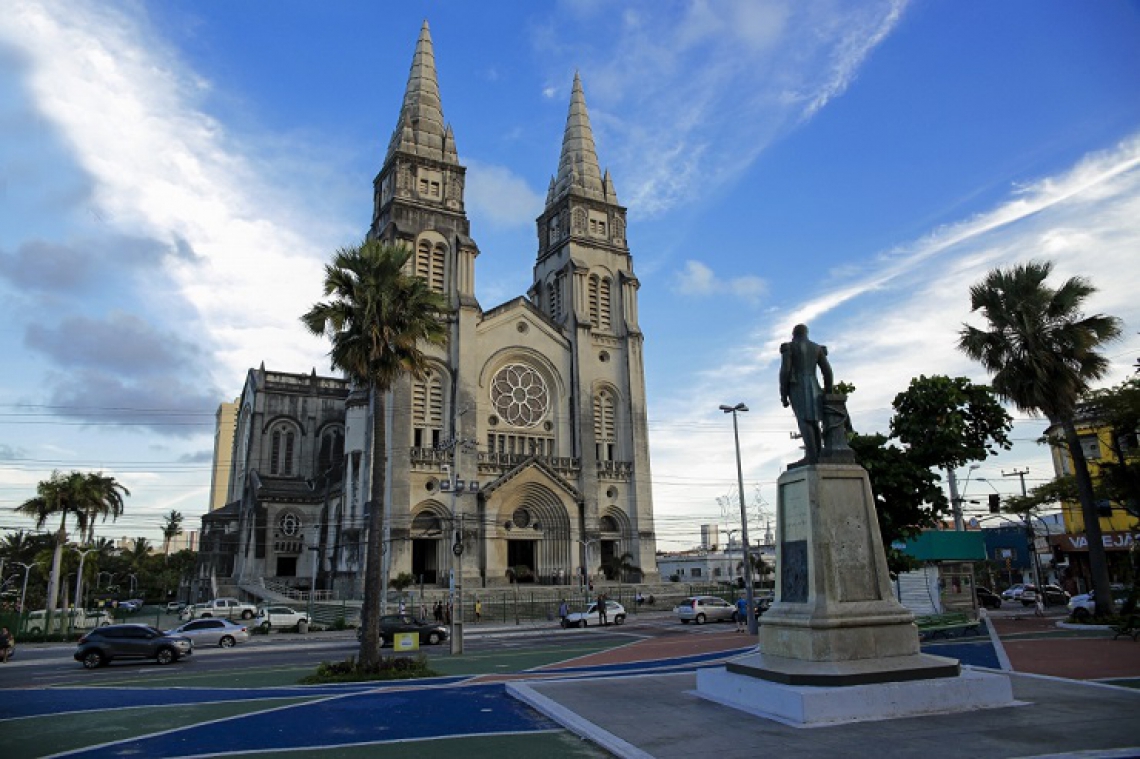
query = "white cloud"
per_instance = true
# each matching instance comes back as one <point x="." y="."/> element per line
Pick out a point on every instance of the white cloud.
<point x="900" y="318"/>
<point x="698" y="280"/>
<point x="500" y="197"/>
<point x="702" y="96"/>
<point x="163" y="167"/>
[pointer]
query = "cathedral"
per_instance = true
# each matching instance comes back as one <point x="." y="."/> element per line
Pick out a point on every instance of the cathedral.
<point x="523" y="455"/>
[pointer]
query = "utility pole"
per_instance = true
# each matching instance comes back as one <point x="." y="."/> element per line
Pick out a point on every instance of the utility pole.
<point x="1035" y="560"/>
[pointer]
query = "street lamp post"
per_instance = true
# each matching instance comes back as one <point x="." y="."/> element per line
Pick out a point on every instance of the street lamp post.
<point x="78" y="603"/>
<point x="24" y="589"/>
<point x="753" y="628"/>
<point x="586" y="564"/>
<point x="456" y="564"/>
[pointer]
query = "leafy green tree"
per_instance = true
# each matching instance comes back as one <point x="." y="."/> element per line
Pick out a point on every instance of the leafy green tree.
<point x="104" y="498"/>
<point x="1042" y="352"/>
<point x="60" y="496"/>
<point x="948" y="422"/>
<point x="379" y="318"/>
<point x="401" y="582"/>
<point x="171" y="529"/>
<point x="1119" y="409"/>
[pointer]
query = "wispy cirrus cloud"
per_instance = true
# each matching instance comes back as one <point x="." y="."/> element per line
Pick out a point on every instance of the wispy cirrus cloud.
<point x="693" y="101"/>
<point x="897" y="316"/>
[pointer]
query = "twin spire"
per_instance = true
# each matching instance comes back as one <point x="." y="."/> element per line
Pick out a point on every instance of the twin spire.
<point x="578" y="165"/>
<point x="421" y="130"/>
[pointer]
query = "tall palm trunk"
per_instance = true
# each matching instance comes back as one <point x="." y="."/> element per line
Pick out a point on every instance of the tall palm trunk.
<point x="370" y="613"/>
<point x="1098" y="561"/>
<point x="56" y="568"/>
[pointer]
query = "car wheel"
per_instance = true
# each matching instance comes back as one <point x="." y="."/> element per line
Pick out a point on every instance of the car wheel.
<point x="1080" y="614"/>
<point x="93" y="660"/>
<point x="166" y="655"/>
<point x="619" y="619"/>
<point x="227" y="641"/>
<point x="700" y="620"/>
<point x="34" y="631"/>
<point x="581" y="623"/>
<point x="433" y="639"/>
<point x="684" y="621"/>
<point x="265" y="629"/>
<point x="247" y="614"/>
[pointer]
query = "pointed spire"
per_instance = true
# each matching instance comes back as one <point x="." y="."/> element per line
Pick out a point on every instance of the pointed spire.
<point x="420" y="128"/>
<point x="578" y="165"/>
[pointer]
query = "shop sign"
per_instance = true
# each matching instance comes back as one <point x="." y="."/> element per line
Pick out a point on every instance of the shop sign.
<point x="1113" y="541"/>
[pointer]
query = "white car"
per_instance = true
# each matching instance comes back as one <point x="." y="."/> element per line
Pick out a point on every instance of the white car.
<point x="615" y="613"/>
<point x="701" y="609"/>
<point x="1083" y="606"/>
<point x="1013" y="592"/>
<point x="279" y="617"/>
<point x="213" y="632"/>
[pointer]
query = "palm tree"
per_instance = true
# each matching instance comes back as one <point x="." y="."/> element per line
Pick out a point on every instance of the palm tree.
<point x="171" y="529"/>
<point x="105" y="499"/>
<point x="378" y="318"/>
<point x="61" y="495"/>
<point x="1042" y="352"/>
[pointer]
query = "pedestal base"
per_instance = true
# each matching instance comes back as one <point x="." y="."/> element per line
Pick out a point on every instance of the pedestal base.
<point x="844" y="673"/>
<point x="811" y="706"/>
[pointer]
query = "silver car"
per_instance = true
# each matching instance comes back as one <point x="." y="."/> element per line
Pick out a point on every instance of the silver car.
<point x="701" y="609"/>
<point x="213" y="632"/>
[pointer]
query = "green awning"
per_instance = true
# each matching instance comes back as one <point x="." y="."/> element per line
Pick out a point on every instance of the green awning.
<point x="945" y="545"/>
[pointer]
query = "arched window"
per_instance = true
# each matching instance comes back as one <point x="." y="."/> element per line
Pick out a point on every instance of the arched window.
<point x="430" y="264"/>
<point x="603" y="320"/>
<point x="604" y="435"/>
<point x="592" y="295"/>
<point x="283" y="446"/>
<point x="332" y="450"/>
<point x="427" y="411"/>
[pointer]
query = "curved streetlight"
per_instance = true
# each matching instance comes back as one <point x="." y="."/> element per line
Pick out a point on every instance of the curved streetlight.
<point x="78" y="603"/>
<point x="24" y="590"/>
<point x="753" y="628"/>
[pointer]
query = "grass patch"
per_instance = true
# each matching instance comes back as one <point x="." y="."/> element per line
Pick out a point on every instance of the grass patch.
<point x="388" y="668"/>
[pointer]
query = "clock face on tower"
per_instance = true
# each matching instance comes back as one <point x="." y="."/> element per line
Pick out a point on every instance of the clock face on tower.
<point x="519" y="395"/>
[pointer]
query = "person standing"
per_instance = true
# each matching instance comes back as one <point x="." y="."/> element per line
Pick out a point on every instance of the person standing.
<point x="7" y="644"/>
<point x="437" y="612"/>
<point x="563" y="611"/>
<point x="741" y="613"/>
<point x="602" y="609"/>
<point x="478" y="611"/>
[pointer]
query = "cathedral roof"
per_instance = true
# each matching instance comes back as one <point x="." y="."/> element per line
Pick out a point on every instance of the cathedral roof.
<point x="578" y="165"/>
<point x="421" y="130"/>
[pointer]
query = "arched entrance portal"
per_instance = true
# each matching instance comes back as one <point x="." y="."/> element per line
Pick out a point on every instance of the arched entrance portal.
<point x="534" y="525"/>
<point x="428" y="547"/>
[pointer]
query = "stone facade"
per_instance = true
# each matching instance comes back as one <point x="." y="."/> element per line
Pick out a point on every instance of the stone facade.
<point x="535" y="408"/>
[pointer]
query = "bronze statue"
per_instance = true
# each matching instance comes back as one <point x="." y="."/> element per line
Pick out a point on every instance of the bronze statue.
<point x="799" y="387"/>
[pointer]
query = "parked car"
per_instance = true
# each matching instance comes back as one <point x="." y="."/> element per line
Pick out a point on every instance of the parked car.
<point x="213" y="632"/>
<point x="279" y="617"/>
<point x="987" y="598"/>
<point x="101" y="646"/>
<point x="229" y="608"/>
<point x="1013" y="592"/>
<point x="390" y="624"/>
<point x="175" y="607"/>
<point x="615" y="614"/>
<point x="1053" y="595"/>
<point x="701" y="609"/>
<point x="131" y="604"/>
<point x="1083" y="606"/>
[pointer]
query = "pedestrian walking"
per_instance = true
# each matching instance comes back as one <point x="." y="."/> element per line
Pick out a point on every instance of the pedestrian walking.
<point x="563" y="611"/>
<point x="478" y="611"/>
<point x="1039" y="604"/>
<point x="437" y="612"/>
<point x="602" y="610"/>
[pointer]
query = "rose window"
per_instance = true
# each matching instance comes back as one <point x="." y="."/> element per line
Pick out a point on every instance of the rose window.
<point x="520" y="395"/>
<point x="290" y="525"/>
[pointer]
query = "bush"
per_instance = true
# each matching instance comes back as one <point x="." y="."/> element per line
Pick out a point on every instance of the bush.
<point x="388" y="668"/>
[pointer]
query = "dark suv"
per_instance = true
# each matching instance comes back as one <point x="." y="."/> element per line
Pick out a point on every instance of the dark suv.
<point x="100" y="646"/>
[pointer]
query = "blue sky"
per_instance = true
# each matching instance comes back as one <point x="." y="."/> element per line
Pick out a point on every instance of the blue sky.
<point x="173" y="175"/>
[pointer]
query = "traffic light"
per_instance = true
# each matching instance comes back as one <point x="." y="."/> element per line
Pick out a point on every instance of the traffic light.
<point x="995" y="503"/>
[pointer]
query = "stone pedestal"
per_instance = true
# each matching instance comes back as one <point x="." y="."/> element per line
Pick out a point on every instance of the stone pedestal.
<point x="836" y="645"/>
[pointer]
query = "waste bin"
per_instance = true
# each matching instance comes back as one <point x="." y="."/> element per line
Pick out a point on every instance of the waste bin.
<point x="303" y="626"/>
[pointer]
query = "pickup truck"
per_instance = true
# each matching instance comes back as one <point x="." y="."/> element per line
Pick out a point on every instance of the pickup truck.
<point x="226" y="608"/>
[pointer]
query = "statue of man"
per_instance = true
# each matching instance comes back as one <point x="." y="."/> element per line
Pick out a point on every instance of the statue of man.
<point x="800" y="389"/>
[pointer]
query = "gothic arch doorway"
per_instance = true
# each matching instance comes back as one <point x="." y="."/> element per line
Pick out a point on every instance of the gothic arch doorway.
<point x="534" y="525"/>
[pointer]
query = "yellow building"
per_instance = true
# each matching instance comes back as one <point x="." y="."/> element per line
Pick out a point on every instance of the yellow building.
<point x="1119" y="529"/>
<point x="226" y="419"/>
